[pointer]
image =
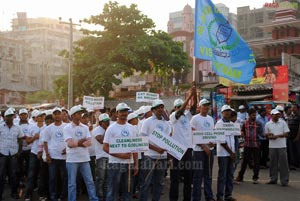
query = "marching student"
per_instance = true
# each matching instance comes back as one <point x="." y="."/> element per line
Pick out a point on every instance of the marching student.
<point x="120" y="165"/>
<point x="101" y="157"/>
<point x="78" y="138"/>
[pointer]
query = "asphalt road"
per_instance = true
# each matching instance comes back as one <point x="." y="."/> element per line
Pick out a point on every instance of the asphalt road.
<point x="245" y="191"/>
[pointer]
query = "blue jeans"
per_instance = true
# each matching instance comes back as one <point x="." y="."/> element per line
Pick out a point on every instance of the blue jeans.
<point x="118" y="176"/>
<point x="12" y="161"/>
<point x="85" y="170"/>
<point x="60" y="167"/>
<point x="152" y="171"/>
<point x="101" y="178"/>
<point x="225" y="177"/>
<point x="202" y="172"/>
<point x="33" y="171"/>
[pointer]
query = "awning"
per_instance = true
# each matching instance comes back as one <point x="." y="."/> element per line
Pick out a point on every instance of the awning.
<point x="256" y="97"/>
<point x="213" y="86"/>
<point x="295" y="89"/>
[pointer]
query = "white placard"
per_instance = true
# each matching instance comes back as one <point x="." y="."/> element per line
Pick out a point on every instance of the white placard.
<point x="166" y="142"/>
<point x="206" y="137"/>
<point x="93" y="102"/>
<point x="230" y="128"/>
<point x="147" y="97"/>
<point x="128" y="145"/>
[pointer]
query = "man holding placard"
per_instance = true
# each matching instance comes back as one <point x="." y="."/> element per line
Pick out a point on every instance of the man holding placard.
<point x="203" y="154"/>
<point x="120" y="165"/>
<point x="155" y="160"/>
<point x="226" y="157"/>
<point x="182" y="132"/>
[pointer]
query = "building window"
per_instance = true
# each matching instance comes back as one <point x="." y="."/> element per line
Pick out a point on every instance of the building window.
<point x="259" y="18"/>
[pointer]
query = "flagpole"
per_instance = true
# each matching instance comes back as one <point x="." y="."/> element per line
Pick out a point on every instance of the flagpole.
<point x="194" y="68"/>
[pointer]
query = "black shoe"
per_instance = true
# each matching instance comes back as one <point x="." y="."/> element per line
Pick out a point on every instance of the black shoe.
<point x="230" y="199"/>
<point x="15" y="196"/>
<point x="272" y="182"/>
<point x="284" y="185"/>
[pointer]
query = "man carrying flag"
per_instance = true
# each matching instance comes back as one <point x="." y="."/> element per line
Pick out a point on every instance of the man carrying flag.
<point x="217" y="41"/>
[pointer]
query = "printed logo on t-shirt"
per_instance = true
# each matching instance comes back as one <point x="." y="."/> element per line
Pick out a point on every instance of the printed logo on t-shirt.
<point x="206" y="124"/>
<point x="184" y="123"/>
<point x="58" y="134"/>
<point x="78" y="133"/>
<point x="25" y="130"/>
<point x="125" y="133"/>
<point x="160" y="127"/>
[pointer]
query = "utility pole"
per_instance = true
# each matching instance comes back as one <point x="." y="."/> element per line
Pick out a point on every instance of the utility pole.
<point x="70" y="77"/>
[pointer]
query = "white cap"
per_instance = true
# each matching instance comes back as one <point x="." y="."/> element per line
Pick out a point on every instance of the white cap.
<point x="279" y="108"/>
<point x="132" y="116"/>
<point x="13" y="109"/>
<point x="104" y="117"/>
<point x="34" y="113"/>
<point x="204" y="101"/>
<point x="122" y="106"/>
<point x="89" y="110"/>
<point x="178" y="102"/>
<point x="140" y="110"/>
<point x="56" y="109"/>
<point x="157" y="102"/>
<point x="147" y="109"/>
<point x="76" y="108"/>
<point x="8" y="112"/>
<point x="49" y="112"/>
<point x="274" y="111"/>
<point x="39" y="113"/>
<point x="241" y="107"/>
<point x="225" y="107"/>
<point x="23" y="111"/>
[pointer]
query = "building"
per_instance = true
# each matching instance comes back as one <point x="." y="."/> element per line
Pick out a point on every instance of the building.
<point x="33" y="51"/>
<point x="181" y="27"/>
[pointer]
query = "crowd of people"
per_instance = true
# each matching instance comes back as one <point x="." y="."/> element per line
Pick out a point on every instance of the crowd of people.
<point x="63" y="153"/>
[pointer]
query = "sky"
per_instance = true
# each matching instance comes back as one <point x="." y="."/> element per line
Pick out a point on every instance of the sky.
<point x="157" y="10"/>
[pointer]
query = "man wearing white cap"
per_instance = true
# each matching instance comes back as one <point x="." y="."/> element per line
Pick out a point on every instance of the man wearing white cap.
<point x="101" y="157"/>
<point x="78" y="138"/>
<point x="226" y="157"/>
<point x="54" y="147"/>
<point x="118" y="163"/>
<point x="203" y="154"/>
<point x="277" y="132"/>
<point x="242" y="114"/>
<point x="155" y="160"/>
<point x="24" y="158"/>
<point x="182" y="132"/>
<point x="10" y="146"/>
<point x="281" y="111"/>
<point x="33" y="138"/>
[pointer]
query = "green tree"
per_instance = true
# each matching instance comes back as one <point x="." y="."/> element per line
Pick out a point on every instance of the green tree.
<point x="127" y="43"/>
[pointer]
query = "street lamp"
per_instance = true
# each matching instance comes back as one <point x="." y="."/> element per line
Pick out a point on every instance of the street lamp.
<point x="70" y="78"/>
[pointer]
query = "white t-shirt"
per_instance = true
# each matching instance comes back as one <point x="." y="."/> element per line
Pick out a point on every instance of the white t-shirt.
<point x="34" y="129"/>
<point x="91" y="148"/>
<point x="26" y="128"/>
<point x="100" y="153"/>
<point x="202" y="123"/>
<point x="277" y="128"/>
<point x="149" y="125"/>
<point x="182" y="130"/>
<point x="118" y="131"/>
<point x="76" y="154"/>
<point x="54" y="137"/>
<point x="229" y="140"/>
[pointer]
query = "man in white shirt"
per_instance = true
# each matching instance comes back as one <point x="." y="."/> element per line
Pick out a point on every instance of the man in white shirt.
<point x="155" y="160"/>
<point x="101" y="157"/>
<point x="277" y="132"/>
<point x="10" y="147"/>
<point x="203" y="156"/>
<point x="54" y="147"/>
<point x="242" y="114"/>
<point x="182" y="132"/>
<point x="226" y="158"/>
<point x="118" y="163"/>
<point x="78" y="138"/>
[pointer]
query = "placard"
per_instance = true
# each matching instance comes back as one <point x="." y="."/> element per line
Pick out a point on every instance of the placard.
<point x="93" y="102"/>
<point x="166" y="142"/>
<point x="128" y="145"/>
<point x="147" y="97"/>
<point x="230" y="128"/>
<point x="206" y="137"/>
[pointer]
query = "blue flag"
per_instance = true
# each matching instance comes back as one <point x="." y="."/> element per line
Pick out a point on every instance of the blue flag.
<point x="216" y="40"/>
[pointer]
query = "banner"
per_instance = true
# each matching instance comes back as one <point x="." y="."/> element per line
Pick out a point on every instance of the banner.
<point x="230" y="128"/>
<point x="166" y="142"/>
<point x="216" y="40"/>
<point x="93" y="102"/>
<point x="147" y="97"/>
<point x="128" y="145"/>
<point x="206" y="137"/>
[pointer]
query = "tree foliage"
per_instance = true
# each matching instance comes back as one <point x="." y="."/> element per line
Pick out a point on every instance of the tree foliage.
<point x="127" y="43"/>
